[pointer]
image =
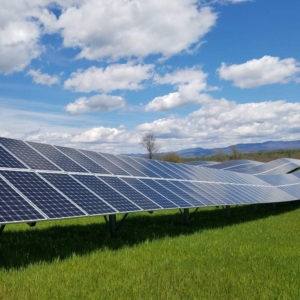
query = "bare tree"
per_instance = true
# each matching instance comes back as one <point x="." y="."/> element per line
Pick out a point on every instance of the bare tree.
<point x="148" y="141"/>
<point x="235" y="152"/>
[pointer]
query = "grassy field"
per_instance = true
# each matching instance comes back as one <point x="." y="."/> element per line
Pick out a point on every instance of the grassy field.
<point x="252" y="255"/>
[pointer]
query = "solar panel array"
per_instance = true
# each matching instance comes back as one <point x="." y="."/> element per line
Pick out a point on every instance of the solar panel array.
<point x="43" y="182"/>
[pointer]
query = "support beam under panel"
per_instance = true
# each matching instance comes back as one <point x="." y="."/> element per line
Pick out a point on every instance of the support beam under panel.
<point x="228" y="212"/>
<point x="112" y="223"/>
<point x="186" y="216"/>
<point x="2" y="228"/>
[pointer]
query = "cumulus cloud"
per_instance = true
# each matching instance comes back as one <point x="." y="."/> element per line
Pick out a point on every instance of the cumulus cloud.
<point x="122" y="29"/>
<point x="114" y="77"/>
<point x="222" y="122"/>
<point x="41" y="78"/>
<point x="18" y="45"/>
<point x="189" y="82"/>
<point x="258" y="72"/>
<point x="97" y="103"/>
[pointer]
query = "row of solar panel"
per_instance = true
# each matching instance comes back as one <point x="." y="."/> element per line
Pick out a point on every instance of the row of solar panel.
<point x="27" y="196"/>
<point x="18" y="154"/>
<point x="279" y="166"/>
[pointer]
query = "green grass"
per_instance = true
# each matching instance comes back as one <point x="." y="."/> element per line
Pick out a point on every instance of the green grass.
<point x="252" y="255"/>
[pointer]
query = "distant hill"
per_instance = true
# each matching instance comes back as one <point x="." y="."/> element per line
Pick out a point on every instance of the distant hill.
<point x="245" y="148"/>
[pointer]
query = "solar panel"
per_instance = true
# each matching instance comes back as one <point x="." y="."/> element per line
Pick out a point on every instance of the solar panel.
<point x="279" y="179"/>
<point x="129" y="192"/>
<point x="27" y="155"/>
<point x="41" y="194"/>
<point x="171" y="187"/>
<point x="14" y="208"/>
<point x="193" y="191"/>
<point x="206" y="192"/>
<point x="84" y="161"/>
<point x="78" y="193"/>
<point x="150" y="193"/>
<point x="148" y="171"/>
<point x="9" y="161"/>
<point x="108" y="194"/>
<point x="293" y="190"/>
<point x="61" y="160"/>
<point x="123" y="165"/>
<point x="176" y="168"/>
<point x="158" y="169"/>
<point x="166" y="168"/>
<point x="166" y="193"/>
<point x="102" y="161"/>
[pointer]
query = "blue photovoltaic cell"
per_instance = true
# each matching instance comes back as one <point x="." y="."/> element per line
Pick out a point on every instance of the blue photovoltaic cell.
<point x="164" y="167"/>
<point x="78" y="194"/>
<point x="27" y="155"/>
<point x="102" y="161"/>
<point x="82" y="160"/>
<point x="8" y="161"/>
<point x="173" y="187"/>
<point x="150" y="193"/>
<point x="108" y="194"/>
<point x="297" y="174"/>
<point x="61" y="160"/>
<point x="123" y="165"/>
<point x="126" y="190"/>
<point x="13" y="208"/>
<point x="41" y="194"/>
<point x="178" y="171"/>
<point x="293" y="190"/>
<point x="148" y="171"/>
<point x="193" y="191"/>
<point x="205" y="192"/>
<point x="153" y="166"/>
<point x="166" y="193"/>
<point x="279" y="179"/>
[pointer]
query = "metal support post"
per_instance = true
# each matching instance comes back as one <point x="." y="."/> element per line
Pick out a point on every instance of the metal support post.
<point x="228" y="212"/>
<point x="186" y="218"/>
<point x="255" y="207"/>
<point x="112" y="223"/>
<point x="2" y="228"/>
<point x="31" y="224"/>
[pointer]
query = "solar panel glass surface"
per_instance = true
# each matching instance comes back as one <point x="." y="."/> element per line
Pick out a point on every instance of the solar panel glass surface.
<point x="27" y="155"/>
<point x="61" y="160"/>
<point x="129" y="192"/>
<point x="78" y="193"/>
<point x="123" y="165"/>
<point x="150" y="193"/>
<point x="166" y="193"/>
<point x="14" y="208"/>
<point x="8" y="161"/>
<point x="83" y="160"/>
<point x="41" y="194"/>
<point x="147" y="169"/>
<point x="105" y="163"/>
<point x="115" y="199"/>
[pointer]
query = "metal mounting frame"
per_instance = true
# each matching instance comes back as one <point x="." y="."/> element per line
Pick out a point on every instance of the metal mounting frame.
<point x="2" y="228"/>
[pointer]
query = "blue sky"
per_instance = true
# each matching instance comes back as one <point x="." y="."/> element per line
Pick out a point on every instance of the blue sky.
<point x="99" y="74"/>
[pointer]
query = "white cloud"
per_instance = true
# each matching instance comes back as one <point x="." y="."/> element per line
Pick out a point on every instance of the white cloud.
<point x="221" y="123"/>
<point x="18" y="45"/>
<point x="41" y="78"/>
<point x="189" y="82"/>
<point x="122" y="29"/>
<point x="217" y="123"/>
<point x="258" y="72"/>
<point x="97" y="103"/>
<point x="114" y="77"/>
